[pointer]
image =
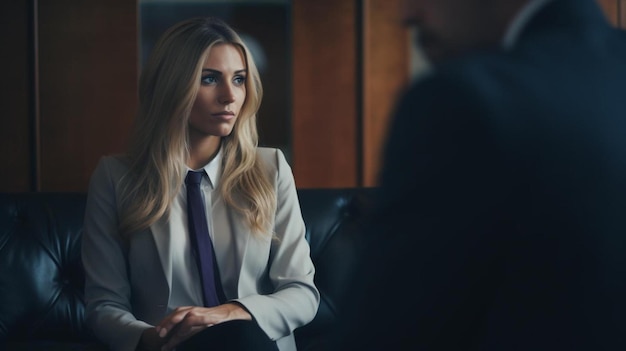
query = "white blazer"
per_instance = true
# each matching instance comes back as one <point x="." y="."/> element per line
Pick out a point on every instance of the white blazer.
<point x="128" y="282"/>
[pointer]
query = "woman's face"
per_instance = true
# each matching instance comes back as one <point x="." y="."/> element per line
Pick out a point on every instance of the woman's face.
<point x="221" y="94"/>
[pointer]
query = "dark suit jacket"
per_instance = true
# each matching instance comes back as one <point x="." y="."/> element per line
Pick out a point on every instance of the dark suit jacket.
<point x="502" y="217"/>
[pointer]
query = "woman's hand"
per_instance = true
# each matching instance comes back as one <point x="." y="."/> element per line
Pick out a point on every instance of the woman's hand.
<point x="186" y="321"/>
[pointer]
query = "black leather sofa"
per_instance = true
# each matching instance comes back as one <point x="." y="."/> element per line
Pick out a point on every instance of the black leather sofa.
<point x="41" y="278"/>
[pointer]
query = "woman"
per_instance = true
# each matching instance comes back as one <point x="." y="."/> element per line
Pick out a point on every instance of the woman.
<point x="147" y="284"/>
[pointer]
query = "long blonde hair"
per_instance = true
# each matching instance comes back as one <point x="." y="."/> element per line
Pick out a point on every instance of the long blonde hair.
<point x="159" y="144"/>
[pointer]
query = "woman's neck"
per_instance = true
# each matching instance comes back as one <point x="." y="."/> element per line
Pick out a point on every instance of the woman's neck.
<point x="202" y="151"/>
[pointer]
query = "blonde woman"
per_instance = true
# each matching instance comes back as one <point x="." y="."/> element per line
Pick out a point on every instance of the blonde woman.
<point x="147" y="285"/>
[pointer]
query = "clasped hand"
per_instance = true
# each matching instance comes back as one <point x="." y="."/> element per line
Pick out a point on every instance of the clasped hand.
<point x="186" y="321"/>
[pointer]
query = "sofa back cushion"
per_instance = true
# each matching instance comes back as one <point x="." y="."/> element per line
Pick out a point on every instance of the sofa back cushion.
<point x="41" y="278"/>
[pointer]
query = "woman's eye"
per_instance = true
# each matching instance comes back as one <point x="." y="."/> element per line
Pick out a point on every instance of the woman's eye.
<point x="239" y="80"/>
<point x="208" y="80"/>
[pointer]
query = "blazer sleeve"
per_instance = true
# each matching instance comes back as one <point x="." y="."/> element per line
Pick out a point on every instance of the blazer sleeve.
<point x="107" y="286"/>
<point x="295" y="298"/>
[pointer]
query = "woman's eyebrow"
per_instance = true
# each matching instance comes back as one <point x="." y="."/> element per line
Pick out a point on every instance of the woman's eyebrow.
<point x="214" y="71"/>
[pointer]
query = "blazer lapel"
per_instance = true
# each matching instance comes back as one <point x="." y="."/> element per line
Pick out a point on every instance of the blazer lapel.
<point x="161" y="235"/>
<point x="229" y="242"/>
<point x="251" y="252"/>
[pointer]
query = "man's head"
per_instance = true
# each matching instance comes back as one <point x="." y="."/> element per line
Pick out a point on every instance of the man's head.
<point x="447" y="28"/>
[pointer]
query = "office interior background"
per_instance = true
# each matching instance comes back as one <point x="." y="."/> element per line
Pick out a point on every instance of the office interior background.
<point x="332" y="71"/>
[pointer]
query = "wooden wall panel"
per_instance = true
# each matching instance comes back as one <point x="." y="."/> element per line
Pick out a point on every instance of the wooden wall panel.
<point x="88" y="85"/>
<point x="14" y="96"/>
<point x="324" y="119"/>
<point x="386" y="71"/>
<point x="610" y="8"/>
<point x="622" y="15"/>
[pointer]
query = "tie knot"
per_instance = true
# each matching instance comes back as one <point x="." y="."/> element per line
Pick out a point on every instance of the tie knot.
<point x="193" y="177"/>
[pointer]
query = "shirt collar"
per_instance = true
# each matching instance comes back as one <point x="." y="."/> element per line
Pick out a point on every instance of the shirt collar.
<point x="520" y="21"/>
<point x="212" y="168"/>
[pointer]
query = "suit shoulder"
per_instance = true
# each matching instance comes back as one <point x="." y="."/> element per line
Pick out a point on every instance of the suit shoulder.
<point x="271" y="155"/>
<point x="273" y="159"/>
<point x="110" y="168"/>
<point x="116" y="161"/>
<point x="266" y="152"/>
<point x="485" y="78"/>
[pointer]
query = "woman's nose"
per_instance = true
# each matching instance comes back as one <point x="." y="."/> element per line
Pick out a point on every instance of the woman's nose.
<point x="227" y="95"/>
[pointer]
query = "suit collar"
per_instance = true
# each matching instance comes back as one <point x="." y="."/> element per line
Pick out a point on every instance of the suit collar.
<point x="212" y="168"/>
<point x="521" y="20"/>
<point x="557" y="15"/>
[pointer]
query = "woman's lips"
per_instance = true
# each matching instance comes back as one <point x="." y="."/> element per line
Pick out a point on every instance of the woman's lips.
<point x="225" y="115"/>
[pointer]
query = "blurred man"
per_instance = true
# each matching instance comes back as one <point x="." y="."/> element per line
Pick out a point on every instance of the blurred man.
<point x="501" y="222"/>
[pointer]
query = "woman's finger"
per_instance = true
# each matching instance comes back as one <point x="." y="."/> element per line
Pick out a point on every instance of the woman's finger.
<point x="171" y="321"/>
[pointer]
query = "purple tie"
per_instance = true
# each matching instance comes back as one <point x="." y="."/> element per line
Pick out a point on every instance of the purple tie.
<point x="200" y="239"/>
